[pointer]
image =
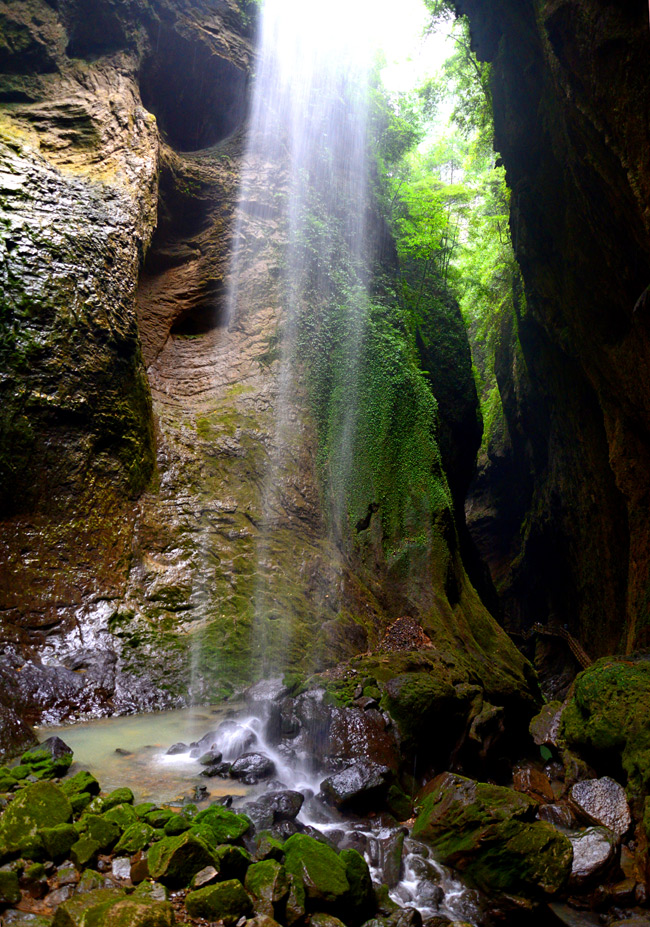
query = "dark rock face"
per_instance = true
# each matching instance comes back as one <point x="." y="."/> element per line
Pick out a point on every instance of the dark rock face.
<point x="568" y="82"/>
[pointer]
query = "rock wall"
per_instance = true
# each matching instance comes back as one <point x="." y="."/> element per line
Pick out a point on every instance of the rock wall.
<point x="570" y="98"/>
<point x="165" y="526"/>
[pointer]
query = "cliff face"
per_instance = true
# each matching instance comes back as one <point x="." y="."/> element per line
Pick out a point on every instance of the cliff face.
<point x="161" y="534"/>
<point x="571" y="102"/>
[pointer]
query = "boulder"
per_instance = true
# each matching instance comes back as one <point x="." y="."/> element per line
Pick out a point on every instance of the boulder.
<point x="82" y="781"/>
<point x="360" y="902"/>
<point x="39" y="805"/>
<point x="594" y="850"/>
<point x="320" y="874"/>
<point x="226" y="901"/>
<point x="533" y="781"/>
<point x="136" y="837"/>
<point x="488" y="832"/>
<point x="358" y="787"/>
<point x="268" y="883"/>
<point x="110" y="908"/>
<point x="49" y="760"/>
<point x="221" y="825"/>
<point x="607" y="718"/>
<point x="545" y="726"/>
<point x="175" y="860"/>
<point x="602" y="801"/>
<point x="356" y="734"/>
<point x="252" y="768"/>
<point x="230" y="738"/>
<point x="273" y="807"/>
<point x="9" y="888"/>
<point x="177" y="749"/>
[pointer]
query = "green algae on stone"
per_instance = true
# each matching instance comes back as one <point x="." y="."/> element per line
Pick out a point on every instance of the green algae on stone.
<point x="75" y="911"/>
<point x="360" y="899"/>
<point x="320" y="869"/>
<point x="82" y="781"/>
<point x="607" y="716"/>
<point x="45" y="766"/>
<point x="174" y="860"/>
<point x="9" y="888"/>
<point x="487" y="832"/>
<point x="131" y="912"/>
<point x="226" y="901"/>
<point x="106" y="833"/>
<point x="58" y="840"/>
<point x="268" y="883"/>
<point x="84" y="852"/>
<point x="136" y="837"/>
<point x="225" y="826"/>
<point x="231" y="862"/>
<point x="122" y="815"/>
<point x="41" y="804"/>
<point x="176" y="824"/>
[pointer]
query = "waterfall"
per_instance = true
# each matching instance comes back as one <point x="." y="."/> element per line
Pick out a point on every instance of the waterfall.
<point x="305" y="166"/>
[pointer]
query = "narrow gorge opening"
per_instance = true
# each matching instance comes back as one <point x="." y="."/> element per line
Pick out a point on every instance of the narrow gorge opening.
<point x="323" y="463"/>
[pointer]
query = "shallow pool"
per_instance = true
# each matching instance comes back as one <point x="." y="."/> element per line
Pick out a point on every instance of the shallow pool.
<point x="144" y="766"/>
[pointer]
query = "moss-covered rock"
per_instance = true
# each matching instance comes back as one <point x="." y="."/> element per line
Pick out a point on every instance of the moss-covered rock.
<point x="39" y="805"/>
<point x="44" y="765"/>
<point x="131" y="912"/>
<point x="606" y="717"/>
<point x="82" y="781"/>
<point x="222" y="825"/>
<point x="267" y="882"/>
<point x="122" y="796"/>
<point x="122" y="815"/>
<point x="360" y="901"/>
<point x="231" y="862"/>
<point x="58" y="840"/>
<point x="176" y="824"/>
<point x="320" y="870"/>
<point x="104" y="832"/>
<point x="267" y="846"/>
<point x="136" y="837"/>
<point x="487" y="832"/>
<point x="158" y="817"/>
<point x="226" y="901"/>
<point x="9" y="888"/>
<point x="174" y="860"/>
<point x="84" y="852"/>
<point x="75" y="912"/>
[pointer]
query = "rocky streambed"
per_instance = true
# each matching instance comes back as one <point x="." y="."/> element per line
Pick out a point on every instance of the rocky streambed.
<point x="316" y="820"/>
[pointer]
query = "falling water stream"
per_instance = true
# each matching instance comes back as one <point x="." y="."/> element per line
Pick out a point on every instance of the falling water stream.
<point x="305" y="164"/>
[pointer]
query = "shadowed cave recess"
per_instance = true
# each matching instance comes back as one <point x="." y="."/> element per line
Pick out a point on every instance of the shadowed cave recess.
<point x="236" y="473"/>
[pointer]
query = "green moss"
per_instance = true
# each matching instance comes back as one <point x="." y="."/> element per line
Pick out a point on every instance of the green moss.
<point x="606" y="718"/>
<point x="39" y="805"/>
<point x="122" y="815"/>
<point x="360" y="899"/>
<point x="267" y="882"/>
<point x="9" y="888"/>
<point x="136" y="837"/>
<point x="44" y="766"/>
<point x="58" y="840"/>
<point x="226" y="902"/>
<point x="223" y="825"/>
<point x="321" y="871"/>
<point x="487" y="831"/>
<point x="174" y="860"/>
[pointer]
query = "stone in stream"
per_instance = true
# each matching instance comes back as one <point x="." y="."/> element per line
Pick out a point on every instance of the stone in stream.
<point x="488" y="832"/>
<point x="48" y="760"/>
<point x="360" y="735"/>
<point x="594" y="851"/>
<point x="602" y="801"/>
<point x="358" y="786"/>
<point x="252" y="768"/>
<point x="211" y="758"/>
<point x="273" y="807"/>
<point x="177" y="749"/>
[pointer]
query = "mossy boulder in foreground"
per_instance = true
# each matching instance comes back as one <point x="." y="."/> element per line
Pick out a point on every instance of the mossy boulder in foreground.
<point x="488" y="832"/>
<point x="41" y="805"/>
<point x="320" y="870"/>
<point x="607" y="717"/>
<point x="227" y="902"/>
<point x="174" y="860"/>
<point x="111" y="908"/>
